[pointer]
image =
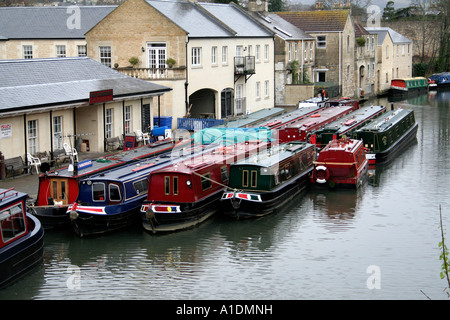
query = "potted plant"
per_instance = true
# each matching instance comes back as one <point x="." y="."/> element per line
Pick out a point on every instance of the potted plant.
<point x="133" y="61"/>
<point x="170" y="62"/>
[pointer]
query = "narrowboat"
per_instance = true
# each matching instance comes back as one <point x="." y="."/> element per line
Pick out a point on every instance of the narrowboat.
<point x="291" y="117"/>
<point x="440" y="80"/>
<point x="22" y="237"/>
<point x="408" y="86"/>
<point x="59" y="188"/>
<point x="188" y="192"/>
<point x="262" y="184"/>
<point x="301" y="130"/>
<point x="110" y="201"/>
<point x="346" y="125"/>
<point x="342" y="162"/>
<point x="387" y="135"/>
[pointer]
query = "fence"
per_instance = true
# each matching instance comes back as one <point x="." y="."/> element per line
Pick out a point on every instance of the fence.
<point x="193" y="124"/>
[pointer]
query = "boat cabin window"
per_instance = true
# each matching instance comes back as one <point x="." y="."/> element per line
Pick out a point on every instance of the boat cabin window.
<point x="175" y="185"/>
<point x="206" y="182"/>
<point x="253" y="177"/>
<point x="141" y="186"/>
<point x="12" y="222"/>
<point x="167" y="185"/>
<point x="98" y="191"/>
<point x="114" y="193"/>
<point x="224" y="173"/>
<point x="245" y="178"/>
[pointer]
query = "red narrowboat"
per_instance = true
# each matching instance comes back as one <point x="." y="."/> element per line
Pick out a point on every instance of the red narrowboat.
<point x="22" y="237"/>
<point x="342" y="162"/>
<point x="57" y="189"/>
<point x="187" y="193"/>
<point x="291" y="117"/>
<point x="300" y="130"/>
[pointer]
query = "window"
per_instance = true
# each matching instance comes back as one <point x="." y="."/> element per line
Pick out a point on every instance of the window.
<point x="296" y="51"/>
<point x="321" y="41"/>
<point x="127" y="119"/>
<point x="206" y="182"/>
<point x="98" y="191"/>
<point x="82" y="51"/>
<point x="290" y="52"/>
<point x="225" y="55"/>
<point x="224" y="173"/>
<point x="167" y="185"/>
<point x="245" y="178"/>
<point x="258" y="53"/>
<point x="214" y="55"/>
<point x="239" y="51"/>
<point x="108" y="123"/>
<point x="141" y="186"/>
<point x="196" y="56"/>
<point x="321" y="76"/>
<point x="266" y="52"/>
<point x="175" y="185"/>
<point x="373" y="43"/>
<point x="253" y="179"/>
<point x="348" y="44"/>
<point x="257" y="93"/>
<point x="105" y="56"/>
<point x="60" y="51"/>
<point x="305" y="53"/>
<point x="387" y="78"/>
<point x="310" y="51"/>
<point x="32" y="136"/>
<point x="12" y="222"/>
<point x="114" y="193"/>
<point x="57" y="132"/>
<point x="348" y="72"/>
<point x="27" y="52"/>
<point x="403" y="49"/>
<point x="266" y="88"/>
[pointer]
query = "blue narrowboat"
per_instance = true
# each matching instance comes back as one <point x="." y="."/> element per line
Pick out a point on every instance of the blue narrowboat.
<point x="440" y="80"/>
<point x="111" y="200"/>
<point x="22" y="237"/>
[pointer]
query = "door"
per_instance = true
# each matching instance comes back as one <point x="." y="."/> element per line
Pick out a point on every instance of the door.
<point x="156" y="53"/>
<point x="226" y="103"/>
<point x="145" y="118"/>
<point x="59" y="191"/>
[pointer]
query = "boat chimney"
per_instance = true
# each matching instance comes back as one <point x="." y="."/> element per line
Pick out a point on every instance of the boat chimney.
<point x="75" y="167"/>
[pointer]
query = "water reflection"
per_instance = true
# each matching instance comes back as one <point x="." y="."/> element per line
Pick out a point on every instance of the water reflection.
<point x="317" y="247"/>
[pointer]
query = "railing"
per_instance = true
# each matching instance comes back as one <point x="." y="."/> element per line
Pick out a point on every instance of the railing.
<point x="244" y="65"/>
<point x="155" y="73"/>
<point x="193" y="124"/>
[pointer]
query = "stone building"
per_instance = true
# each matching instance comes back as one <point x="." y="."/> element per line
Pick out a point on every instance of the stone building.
<point x="394" y="56"/>
<point x="224" y="59"/>
<point x="334" y="52"/>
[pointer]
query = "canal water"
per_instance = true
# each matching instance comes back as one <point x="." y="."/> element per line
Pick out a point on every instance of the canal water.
<point x="378" y="242"/>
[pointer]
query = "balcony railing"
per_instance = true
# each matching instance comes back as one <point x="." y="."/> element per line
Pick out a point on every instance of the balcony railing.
<point x="155" y="73"/>
<point x="244" y="65"/>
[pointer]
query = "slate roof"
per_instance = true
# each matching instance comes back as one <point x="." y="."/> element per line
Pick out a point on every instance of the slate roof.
<point x="57" y="81"/>
<point x="49" y="22"/>
<point x="208" y="20"/>
<point x="318" y="20"/>
<point x="359" y="30"/>
<point x="396" y="37"/>
<point x="281" y="27"/>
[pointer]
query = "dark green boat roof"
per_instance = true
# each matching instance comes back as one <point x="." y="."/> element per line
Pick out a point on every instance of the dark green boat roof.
<point x="386" y="121"/>
<point x="273" y="155"/>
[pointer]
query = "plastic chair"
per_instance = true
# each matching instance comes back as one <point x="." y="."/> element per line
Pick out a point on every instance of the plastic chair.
<point x="72" y="152"/>
<point x="142" y="136"/>
<point x="34" y="161"/>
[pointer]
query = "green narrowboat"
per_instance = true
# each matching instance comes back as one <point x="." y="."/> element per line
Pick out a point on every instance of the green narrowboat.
<point x="387" y="135"/>
<point x="408" y="86"/>
<point x="263" y="183"/>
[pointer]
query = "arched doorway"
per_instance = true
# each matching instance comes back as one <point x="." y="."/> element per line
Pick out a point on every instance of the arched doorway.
<point x="361" y="80"/>
<point x="202" y="104"/>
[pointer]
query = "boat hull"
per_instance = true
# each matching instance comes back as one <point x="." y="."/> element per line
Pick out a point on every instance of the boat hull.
<point x="270" y="201"/>
<point x="51" y="217"/>
<point x="87" y="224"/>
<point x="188" y="215"/>
<point x="390" y="153"/>
<point x="336" y="181"/>
<point x="23" y="255"/>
